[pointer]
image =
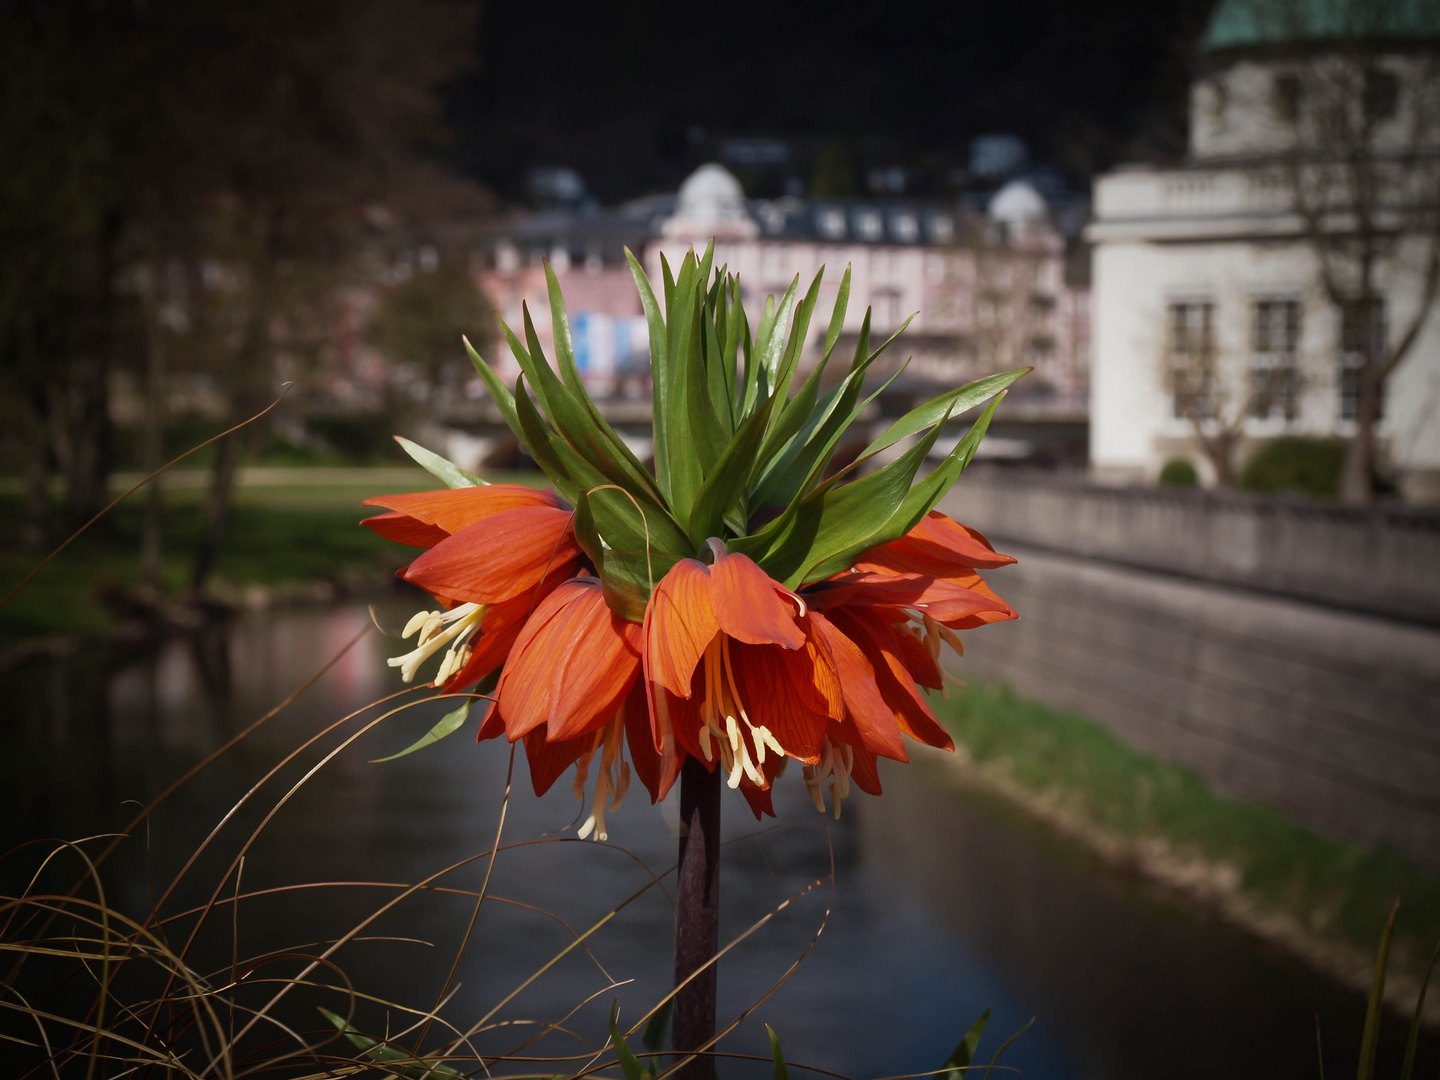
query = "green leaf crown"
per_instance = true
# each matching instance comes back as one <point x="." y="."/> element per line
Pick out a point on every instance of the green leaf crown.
<point x="742" y="452"/>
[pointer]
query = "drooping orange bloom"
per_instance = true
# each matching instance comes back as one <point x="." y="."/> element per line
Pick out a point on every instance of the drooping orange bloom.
<point x="494" y="552"/>
<point x="829" y="676"/>
<point x="520" y="594"/>
<point x="736" y="674"/>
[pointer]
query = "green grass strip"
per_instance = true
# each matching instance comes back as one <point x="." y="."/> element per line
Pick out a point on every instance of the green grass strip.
<point x="1336" y="889"/>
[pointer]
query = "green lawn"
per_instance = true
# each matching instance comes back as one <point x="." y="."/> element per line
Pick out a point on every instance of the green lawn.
<point x="1335" y="888"/>
<point x="286" y="526"/>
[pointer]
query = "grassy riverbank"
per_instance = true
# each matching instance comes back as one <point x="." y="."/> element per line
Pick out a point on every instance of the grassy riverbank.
<point x="288" y="526"/>
<point x="1238" y="854"/>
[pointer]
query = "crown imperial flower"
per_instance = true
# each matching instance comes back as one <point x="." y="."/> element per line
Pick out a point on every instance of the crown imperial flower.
<point x="744" y="605"/>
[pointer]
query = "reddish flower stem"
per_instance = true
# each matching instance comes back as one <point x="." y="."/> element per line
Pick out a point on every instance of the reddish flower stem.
<point x="697" y="914"/>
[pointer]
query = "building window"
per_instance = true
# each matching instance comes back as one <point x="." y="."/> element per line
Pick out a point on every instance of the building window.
<point x="906" y="228"/>
<point x="831" y="222"/>
<point x="1382" y="94"/>
<point x="1275" y="341"/>
<point x="1362" y="341"/>
<point x="1286" y="97"/>
<point x="1191" y="358"/>
<point x="868" y="225"/>
<point x="942" y="229"/>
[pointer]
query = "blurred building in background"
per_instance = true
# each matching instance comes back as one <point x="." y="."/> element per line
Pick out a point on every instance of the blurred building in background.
<point x="989" y="288"/>
<point x="1282" y="281"/>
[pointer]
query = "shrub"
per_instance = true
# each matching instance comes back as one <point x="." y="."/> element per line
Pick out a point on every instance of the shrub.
<point x="1309" y="466"/>
<point x="1179" y="473"/>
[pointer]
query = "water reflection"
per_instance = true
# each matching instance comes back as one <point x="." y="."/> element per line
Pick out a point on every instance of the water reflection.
<point x="942" y="905"/>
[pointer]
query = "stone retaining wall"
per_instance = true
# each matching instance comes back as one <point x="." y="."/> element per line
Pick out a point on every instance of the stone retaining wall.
<point x="1332" y="716"/>
<point x="1384" y="560"/>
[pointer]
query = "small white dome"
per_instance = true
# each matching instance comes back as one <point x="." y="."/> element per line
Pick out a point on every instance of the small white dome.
<point x="1018" y="205"/>
<point x="711" y="203"/>
<point x="711" y="193"/>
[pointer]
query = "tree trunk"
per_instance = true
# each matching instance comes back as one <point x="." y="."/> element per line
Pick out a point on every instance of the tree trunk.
<point x="1357" y="478"/>
<point x="248" y="376"/>
<point x="217" y="512"/>
<point x="697" y="915"/>
<point x="85" y="388"/>
<point x="37" y="475"/>
<point x="153" y="450"/>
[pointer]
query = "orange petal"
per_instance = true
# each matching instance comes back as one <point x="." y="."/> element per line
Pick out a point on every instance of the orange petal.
<point x="758" y="798"/>
<point x="548" y="760"/>
<point x="777" y="690"/>
<point x="649" y="765"/>
<point x="499" y="558"/>
<point x="679" y="624"/>
<point x="404" y="529"/>
<point x="597" y="660"/>
<point x="571" y="666"/>
<point x="866" y="711"/>
<point x="684" y="716"/>
<point x="749" y="606"/>
<point x="964" y="543"/>
<point x="454" y="509"/>
<point x="896" y="685"/>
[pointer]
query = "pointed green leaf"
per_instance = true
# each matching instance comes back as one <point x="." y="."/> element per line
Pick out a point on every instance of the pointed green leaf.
<point x="952" y="402"/>
<point x="629" y="558"/>
<point x="628" y="1061"/>
<point x="919" y="500"/>
<point x="781" y="1071"/>
<point x="770" y="341"/>
<point x="577" y="425"/>
<point x="1374" y="1010"/>
<point x="560" y="333"/>
<point x="658" y="367"/>
<point x="756" y="385"/>
<point x="924" y="495"/>
<point x="729" y="479"/>
<point x="1412" y="1043"/>
<point x="800" y="466"/>
<point x="433" y="463"/>
<point x="707" y="434"/>
<point x="617" y="456"/>
<point x="794" y="342"/>
<point x="964" y="1054"/>
<point x="654" y="1037"/>
<point x="837" y="313"/>
<point x="499" y="393"/>
<point x="393" y="1060"/>
<point x="450" y="723"/>
<point x="673" y="409"/>
<point x="837" y="521"/>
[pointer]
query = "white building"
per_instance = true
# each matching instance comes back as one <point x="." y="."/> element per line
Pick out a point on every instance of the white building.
<point x="1209" y="305"/>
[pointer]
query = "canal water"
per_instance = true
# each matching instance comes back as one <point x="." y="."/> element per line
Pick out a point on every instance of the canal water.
<point x="942" y="904"/>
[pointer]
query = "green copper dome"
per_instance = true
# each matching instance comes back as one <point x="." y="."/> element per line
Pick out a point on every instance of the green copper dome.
<point x="1239" y="24"/>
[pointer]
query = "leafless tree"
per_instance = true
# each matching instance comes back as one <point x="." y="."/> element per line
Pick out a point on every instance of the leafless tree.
<point x="1220" y="393"/>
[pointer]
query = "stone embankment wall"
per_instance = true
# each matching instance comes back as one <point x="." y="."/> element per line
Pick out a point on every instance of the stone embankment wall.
<point x="1262" y="666"/>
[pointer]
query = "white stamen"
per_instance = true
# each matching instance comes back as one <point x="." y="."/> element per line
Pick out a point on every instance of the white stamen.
<point x="458" y="624"/>
<point x="832" y="771"/>
<point x="611" y="779"/>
